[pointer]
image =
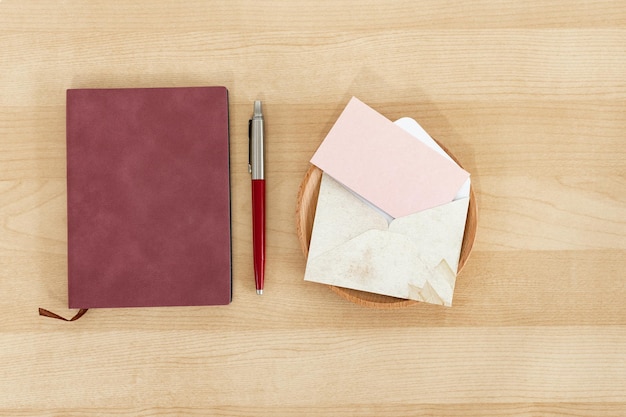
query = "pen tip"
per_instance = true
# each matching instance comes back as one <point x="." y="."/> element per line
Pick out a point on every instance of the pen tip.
<point x="260" y="292"/>
<point x="257" y="107"/>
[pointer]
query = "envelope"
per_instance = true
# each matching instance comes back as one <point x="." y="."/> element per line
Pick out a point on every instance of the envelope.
<point x="357" y="245"/>
<point x="414" y="257"/>
<point x="384" y="164"/>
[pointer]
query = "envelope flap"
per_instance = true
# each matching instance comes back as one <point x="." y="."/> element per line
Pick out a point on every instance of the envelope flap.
<point x="438" y="232"/>
<point x="340" y="216"/>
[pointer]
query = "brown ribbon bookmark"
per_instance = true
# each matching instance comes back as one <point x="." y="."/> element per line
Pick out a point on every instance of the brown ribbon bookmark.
<point x="46" y="313"/>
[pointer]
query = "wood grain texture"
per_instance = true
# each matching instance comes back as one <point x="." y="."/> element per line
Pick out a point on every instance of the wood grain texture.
<point x="529" y="96"/>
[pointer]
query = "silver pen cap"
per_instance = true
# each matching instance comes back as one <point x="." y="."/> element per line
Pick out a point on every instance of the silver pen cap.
<point x="257" y="163"/>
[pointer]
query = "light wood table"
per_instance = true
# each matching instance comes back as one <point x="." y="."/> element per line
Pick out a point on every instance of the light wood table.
<point x="530" y="97"/>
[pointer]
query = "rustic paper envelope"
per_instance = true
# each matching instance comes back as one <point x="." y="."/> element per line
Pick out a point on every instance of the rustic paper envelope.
<point x="414" y="257"/>
<point x="384" y="164"/>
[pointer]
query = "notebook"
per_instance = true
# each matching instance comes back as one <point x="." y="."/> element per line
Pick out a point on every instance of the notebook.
<point x="148" y="197"/>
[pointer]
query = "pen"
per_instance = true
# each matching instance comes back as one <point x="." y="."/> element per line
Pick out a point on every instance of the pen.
<point x="257" y="169"/>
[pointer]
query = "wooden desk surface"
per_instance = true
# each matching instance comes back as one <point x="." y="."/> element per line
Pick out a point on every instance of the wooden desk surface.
<point x="530" y="96"/>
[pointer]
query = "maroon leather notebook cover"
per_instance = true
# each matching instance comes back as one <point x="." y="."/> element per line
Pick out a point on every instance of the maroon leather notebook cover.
<point x="148" y="190"/>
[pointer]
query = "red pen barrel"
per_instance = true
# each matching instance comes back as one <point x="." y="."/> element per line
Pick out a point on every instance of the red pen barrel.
<point x="258" y="231"/>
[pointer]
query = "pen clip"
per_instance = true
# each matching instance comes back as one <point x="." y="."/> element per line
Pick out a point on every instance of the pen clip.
<point x="250" y="146"/>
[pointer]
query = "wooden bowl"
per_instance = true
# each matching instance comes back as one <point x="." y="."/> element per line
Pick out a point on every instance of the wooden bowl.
<point x="305" y="214"/>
